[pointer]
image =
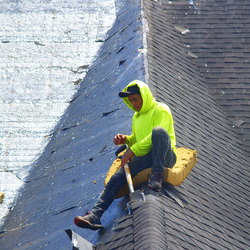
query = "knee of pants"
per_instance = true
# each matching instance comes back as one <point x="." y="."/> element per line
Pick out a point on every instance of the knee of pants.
<point x="159" y="131"/>
<point x="117" y="181"/>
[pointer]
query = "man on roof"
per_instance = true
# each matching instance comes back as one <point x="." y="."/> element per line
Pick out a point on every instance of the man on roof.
<point x="152" y="144"/>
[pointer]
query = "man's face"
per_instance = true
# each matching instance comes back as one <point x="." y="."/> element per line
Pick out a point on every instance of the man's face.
<point x="136" y="101"/>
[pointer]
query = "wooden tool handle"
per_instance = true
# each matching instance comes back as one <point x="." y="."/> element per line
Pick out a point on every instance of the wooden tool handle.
<point x="129" y="178"/>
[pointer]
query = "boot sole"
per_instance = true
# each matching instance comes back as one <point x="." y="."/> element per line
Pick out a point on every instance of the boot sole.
<point x="86" y="224"/>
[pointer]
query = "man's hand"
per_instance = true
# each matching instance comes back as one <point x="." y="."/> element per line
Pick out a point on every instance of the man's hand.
<point x="120" y="139"/>
<point x="127" y="157"/>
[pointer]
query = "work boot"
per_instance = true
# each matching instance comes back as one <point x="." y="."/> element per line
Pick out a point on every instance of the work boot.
<point x="155" y="181"/>
<point x="89" y="220"/>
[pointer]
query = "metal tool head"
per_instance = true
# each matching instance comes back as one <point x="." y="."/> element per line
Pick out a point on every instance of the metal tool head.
<point x="137" y="198"/>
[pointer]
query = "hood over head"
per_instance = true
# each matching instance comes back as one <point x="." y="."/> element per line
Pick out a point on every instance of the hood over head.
<point x="146" y="94"/>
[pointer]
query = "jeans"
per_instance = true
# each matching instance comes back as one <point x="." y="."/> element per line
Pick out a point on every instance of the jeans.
<point x="160" y="156"/>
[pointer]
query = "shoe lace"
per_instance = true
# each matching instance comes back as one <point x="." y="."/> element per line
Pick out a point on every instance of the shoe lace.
<point x="87" y="212"/>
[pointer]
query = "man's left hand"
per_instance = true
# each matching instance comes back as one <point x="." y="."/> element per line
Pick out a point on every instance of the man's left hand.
<point x="127" y="157"/>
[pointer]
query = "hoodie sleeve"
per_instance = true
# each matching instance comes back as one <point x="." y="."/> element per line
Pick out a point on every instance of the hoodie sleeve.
<point x="130" y="140"/>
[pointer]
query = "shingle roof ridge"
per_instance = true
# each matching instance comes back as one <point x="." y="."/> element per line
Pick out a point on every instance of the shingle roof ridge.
<point x="149" y="224"/>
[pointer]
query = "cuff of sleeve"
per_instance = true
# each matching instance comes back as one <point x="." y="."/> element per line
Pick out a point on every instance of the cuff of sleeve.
<point x="133" y="148"/>
<point x="128" y="140"/>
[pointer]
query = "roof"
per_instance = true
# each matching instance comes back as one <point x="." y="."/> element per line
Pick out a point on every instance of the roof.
<point x="219" y="38"/>
<point x="218" y="188"/>
<point x="45" y="50"/>
<point x="215" y="196"/>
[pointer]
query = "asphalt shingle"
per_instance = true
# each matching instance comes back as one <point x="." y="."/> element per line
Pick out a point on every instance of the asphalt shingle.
<point x="219" y="183"/>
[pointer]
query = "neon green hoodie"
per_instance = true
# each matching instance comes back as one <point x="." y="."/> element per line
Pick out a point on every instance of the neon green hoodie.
<point x="152" y="114"/>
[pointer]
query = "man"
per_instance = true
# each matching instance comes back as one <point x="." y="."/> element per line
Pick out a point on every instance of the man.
<point x="151" y="145"/>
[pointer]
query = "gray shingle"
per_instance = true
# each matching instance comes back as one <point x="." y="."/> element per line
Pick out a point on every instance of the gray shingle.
<point x="213" y="191"/>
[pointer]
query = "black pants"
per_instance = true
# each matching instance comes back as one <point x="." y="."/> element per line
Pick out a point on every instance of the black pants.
<point x="160" y="156"/>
